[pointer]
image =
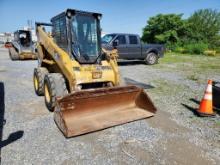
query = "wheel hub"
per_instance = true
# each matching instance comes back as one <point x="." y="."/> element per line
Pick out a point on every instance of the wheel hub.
<point x="152" y="59"/>
<point x="36" y="84"/>
<point x="47" y="94"/>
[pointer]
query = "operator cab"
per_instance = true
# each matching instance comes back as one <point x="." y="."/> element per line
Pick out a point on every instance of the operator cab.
<point x="79" y="34"/>
<point x="23" y="37"/>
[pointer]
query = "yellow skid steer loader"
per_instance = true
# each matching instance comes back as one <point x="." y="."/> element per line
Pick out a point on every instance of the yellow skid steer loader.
<point x="22" y="46"/>
<point x="80" y="81"/>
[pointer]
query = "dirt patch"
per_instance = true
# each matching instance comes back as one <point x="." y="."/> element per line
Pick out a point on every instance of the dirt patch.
<point x="181" y="151"/>
<point x="162" y="121"/>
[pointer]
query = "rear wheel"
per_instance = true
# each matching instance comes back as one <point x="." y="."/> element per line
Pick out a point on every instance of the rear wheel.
<point x="38" y="79"/>
<point x="13" y="54"/>
<point x="54" y="86"/>
<point x="151" y="58"/>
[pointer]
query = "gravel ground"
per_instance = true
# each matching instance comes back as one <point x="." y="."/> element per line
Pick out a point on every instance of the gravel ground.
<point x="174" y="136"/>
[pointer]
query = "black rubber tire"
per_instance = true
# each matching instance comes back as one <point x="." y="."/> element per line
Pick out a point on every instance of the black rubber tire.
<point x="38" y="77"/>
<point x="13" y="54"/>
<point x="56" y="86"/>
<point x="152" y="58"/>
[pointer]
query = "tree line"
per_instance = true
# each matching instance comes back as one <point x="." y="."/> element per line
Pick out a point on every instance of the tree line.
<point x="195" y="35"/>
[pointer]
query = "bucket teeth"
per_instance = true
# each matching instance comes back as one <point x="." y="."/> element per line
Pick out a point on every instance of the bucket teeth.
<point x="88" y="111"/>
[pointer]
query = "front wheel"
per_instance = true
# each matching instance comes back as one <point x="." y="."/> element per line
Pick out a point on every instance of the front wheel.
<point x="38" y="79"/>
<point x="54" y="86"/>
<point x="151" y="58"/>
<point x="13" y="54"/>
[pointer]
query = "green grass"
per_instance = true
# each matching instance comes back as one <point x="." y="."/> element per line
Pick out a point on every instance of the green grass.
<point x="218" y="123"/>
<point x="191" y="62"/>
<point x="167" y="87"/>
<point x="174" y="58"/>
<point x="193" y="77"/>
<point x="197" y="68"/>
<point x="211" y="65"/>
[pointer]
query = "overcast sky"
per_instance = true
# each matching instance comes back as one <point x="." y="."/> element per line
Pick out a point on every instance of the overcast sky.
<point x="128" y="16"/>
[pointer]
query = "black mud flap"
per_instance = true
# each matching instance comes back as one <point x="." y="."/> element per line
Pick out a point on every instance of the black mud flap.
<point x="216" y="95"/>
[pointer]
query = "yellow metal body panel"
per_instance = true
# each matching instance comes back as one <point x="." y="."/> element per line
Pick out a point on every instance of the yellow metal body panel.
<point x="75" y="73"/>
<point x="27" y="55"/>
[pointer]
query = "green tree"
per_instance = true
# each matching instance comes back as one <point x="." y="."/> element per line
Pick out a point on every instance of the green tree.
<point x="165" y="28"/>
<point x="204" y="26"/>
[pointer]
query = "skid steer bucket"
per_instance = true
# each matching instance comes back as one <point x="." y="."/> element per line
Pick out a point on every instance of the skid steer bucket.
<point x="92" y="110"/>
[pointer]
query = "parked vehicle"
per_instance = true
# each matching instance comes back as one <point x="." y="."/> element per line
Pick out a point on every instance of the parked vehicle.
<point x="130" y="47"/>
<point x="8" y="45"/>
<point x="22" y="47"/>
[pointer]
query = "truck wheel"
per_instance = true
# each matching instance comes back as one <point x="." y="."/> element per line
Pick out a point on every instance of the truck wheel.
<point x="151" y="58"/>
<point x="38" y="79"/>
<point x="54" y="86"/>
<point x="13" y="54"/>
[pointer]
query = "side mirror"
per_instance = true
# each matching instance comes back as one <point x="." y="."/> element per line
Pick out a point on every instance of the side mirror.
<point x="115" y="43"/>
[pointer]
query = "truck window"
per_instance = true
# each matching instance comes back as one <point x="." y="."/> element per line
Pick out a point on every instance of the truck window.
<point x="121" y="39"/>
<point x="107" y="38"/>
<point x="133" y="40"/>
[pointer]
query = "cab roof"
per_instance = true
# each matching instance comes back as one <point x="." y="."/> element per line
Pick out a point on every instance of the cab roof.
<point x="73" y="12"/>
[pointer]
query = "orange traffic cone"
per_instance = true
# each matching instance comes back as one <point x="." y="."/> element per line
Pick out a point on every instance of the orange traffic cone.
<point x="205" y="108"/>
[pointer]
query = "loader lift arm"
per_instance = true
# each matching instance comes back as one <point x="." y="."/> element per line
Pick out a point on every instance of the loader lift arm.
<point x="56" y="56"/>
